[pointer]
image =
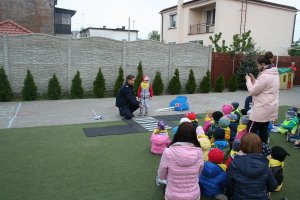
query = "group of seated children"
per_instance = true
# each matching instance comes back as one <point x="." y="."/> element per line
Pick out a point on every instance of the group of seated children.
<point x="221" y="140"/>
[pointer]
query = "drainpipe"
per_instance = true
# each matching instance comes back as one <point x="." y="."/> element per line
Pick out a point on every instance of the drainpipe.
<point x="294" y="28"/>
<point x="179" y="20"/>
<point x="162" y="28"/>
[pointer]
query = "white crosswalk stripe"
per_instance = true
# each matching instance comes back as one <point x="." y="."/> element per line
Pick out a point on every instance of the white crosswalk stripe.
<point x="149" y="123"/>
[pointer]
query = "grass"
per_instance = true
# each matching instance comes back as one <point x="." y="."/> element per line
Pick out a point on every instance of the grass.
<point x="60" y="162"/>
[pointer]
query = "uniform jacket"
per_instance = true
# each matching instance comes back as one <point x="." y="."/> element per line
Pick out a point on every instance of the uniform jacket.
<point x="277" y="170"/>
<point x="249" y="177"/>
<point x="265" y="93"/>
<point x="126" y="96"/>
<point x="213" y="180"/>
<point x="181" y="166"/>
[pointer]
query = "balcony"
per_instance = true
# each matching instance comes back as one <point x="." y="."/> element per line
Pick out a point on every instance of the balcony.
<point x="201" y="28"/>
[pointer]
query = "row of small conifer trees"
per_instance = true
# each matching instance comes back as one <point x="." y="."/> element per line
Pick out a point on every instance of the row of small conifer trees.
<point x="29" y="90"/>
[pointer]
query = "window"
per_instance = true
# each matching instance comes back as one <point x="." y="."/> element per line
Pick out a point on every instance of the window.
<point x="62" y="18"/>
<point x="173" y="20"/>
<point x="210" y="17"/>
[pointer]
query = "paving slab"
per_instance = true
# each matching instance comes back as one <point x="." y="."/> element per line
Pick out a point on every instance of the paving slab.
<point x="60" y="112"/>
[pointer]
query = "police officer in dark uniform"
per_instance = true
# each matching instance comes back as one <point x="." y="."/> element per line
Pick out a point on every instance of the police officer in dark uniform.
<point x="126" y="99"/>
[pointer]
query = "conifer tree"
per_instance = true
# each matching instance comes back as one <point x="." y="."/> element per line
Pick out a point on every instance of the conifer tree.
<point x="54" y="89"/>
<point x="174" y="84"/>
<point x="191" y="83"/>
<point x="119" y="82"/>
<point x="29" y="91"/>
<point x="76" y="87"/>
<point x="233" y="84"/>
<point x="158" y="85"/>
<point x="5" y="89"/>
<point x="99" y="85"/>
<point x="205" y="84"/>
<point x="139" y="77"/>
<point x="220" y="84"/>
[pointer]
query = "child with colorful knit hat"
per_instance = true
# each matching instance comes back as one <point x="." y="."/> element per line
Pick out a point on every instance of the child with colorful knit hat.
<point x="224" y="124"/>
<point x="213" y="178"/>
<point x="219" y="140"/>
<point x="276" y="163"/>
<point x="208" y="120"/>
<point x="160" y="138"/>
<point x="204" y="141"/>
<point x="145" y="94"/>
<point x="193" y="118"/>
<point x="227" y="109"/>
<point x="216" y="117"/>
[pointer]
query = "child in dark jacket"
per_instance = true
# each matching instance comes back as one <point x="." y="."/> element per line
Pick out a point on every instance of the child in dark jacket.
<point x="276" y="164"/>
<point x="219" y="139"/>
<point x="213" y="179"/>
<point x="216" y="116"/>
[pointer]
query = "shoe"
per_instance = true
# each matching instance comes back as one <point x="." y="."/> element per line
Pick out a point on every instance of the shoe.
<point x="221" y="197"/>
<point x="146" y="114"/>
<point x="140" y="114"/>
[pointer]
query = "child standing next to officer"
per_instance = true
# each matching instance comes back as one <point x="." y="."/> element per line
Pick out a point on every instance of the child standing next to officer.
<point x="145" y="93"/>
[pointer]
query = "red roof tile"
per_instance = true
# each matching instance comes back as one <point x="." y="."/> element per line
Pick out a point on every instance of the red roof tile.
<point x="12" y="28"/>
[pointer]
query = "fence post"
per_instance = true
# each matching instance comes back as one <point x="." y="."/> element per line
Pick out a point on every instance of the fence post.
<point x="169" y="60"/>
<point x="69" y="66"/>
<point x="124" y="57"/>
<point x="6" y="56"/>
<point x="209" y="57"/>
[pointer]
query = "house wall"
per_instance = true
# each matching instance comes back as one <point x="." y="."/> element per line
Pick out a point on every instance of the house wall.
<point x="264" y="21"/>
<point x="169" y="34"/>
<point x="44" y="55"/>
<point x="115" y="35"/>
<point x="37" y="16"/>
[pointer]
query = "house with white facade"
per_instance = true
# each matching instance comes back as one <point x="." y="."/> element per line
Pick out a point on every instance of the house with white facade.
<point x="272" y="25"/>
<point x="115" y="34"/>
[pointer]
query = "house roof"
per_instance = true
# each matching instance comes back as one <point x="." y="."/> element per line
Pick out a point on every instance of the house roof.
<point x="12" y="28"/>
<point x="254" y="1"/>
<point x="108" y="29"/>
<point x="66" y="11"/>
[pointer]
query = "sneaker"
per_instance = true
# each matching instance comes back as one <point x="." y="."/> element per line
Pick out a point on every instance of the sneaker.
<point x="141" y="114"/>
<point x="146" y="114"/>
<point x="221" y="197"/>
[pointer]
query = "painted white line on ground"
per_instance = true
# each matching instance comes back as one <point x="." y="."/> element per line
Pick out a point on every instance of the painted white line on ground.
<point x="12" y="120"/>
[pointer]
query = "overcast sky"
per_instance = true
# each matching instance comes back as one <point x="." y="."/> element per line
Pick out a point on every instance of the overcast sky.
<point x="144" y="14"/>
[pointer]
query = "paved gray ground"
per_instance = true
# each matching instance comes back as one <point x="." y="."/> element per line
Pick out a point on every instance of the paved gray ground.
<point x="44" y="113"/>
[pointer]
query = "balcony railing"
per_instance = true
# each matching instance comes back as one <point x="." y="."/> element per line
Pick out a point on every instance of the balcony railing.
<point x="201" y="28"/>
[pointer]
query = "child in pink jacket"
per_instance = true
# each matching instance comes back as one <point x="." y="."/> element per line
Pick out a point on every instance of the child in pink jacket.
<point x="181" y="165"/>
<point x="159" y="138"/>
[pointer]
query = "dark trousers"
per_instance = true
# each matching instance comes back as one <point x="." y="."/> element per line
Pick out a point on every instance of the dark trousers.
<point x="127" y="111"/>
<point x="260" y="128"/>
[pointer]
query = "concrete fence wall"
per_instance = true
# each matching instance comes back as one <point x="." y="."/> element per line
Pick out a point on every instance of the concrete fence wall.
<point x="44" y="55"/>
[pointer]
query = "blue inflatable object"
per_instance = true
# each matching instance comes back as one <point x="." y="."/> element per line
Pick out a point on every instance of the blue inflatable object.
<point x="180" y="103"/>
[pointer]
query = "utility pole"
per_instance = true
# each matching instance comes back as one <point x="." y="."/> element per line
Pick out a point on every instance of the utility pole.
<point x="129" y="29"/>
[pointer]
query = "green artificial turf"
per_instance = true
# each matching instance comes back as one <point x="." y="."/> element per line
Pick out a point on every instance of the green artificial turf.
<point x="60" y="162"/>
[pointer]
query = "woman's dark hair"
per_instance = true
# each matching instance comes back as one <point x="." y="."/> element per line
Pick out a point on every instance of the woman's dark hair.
<point x="266" y="59"/>
<point x="186" y="133"/>
<point x="129" y="77"/>
<point x="251" y="143"/>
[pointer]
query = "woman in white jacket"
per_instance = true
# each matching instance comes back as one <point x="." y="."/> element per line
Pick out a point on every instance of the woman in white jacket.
<point x="265" y="93"/>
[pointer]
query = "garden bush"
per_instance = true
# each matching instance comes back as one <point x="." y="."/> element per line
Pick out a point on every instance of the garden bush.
<point x="76" y="87"/>
<point x="29" y="90"/>
<point x="174" y="84"/>
<point x="5" y="89"/>
<point x="54" y="89"/>
<point x="99" y="85"/>
<point x="158" y="85"/>
<point x="191" y="83"/>
<point x="119" y="82"/>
